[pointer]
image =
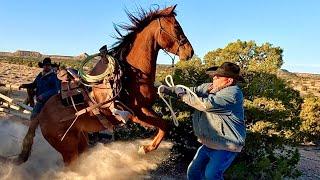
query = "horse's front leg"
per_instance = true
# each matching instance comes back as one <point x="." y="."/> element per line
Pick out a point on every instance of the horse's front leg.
<point x="149" y="117"/>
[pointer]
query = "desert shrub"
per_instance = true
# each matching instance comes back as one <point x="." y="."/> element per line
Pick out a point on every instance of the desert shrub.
<point x="264" y="157"/>
<point x="270" y="151"/>
<point x="310" y="116"/>
<point x="249" y="55"/>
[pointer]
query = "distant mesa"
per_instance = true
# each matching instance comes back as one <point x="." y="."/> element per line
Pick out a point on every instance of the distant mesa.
<point x="82" y="56"/>
<point x="284" y="72"/>
<point x="34" y="54"/>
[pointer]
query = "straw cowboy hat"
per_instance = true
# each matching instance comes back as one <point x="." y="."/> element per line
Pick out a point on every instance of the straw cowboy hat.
<point x="227" y="69"/>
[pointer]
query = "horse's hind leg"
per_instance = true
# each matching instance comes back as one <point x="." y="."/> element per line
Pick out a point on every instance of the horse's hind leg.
<point x="148" y="116"/>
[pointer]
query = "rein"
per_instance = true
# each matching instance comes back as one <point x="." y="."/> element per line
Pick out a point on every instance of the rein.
<point x="180" y="42"/>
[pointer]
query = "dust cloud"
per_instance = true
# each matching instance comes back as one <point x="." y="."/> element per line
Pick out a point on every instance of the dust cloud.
<point x="117" y="160"/>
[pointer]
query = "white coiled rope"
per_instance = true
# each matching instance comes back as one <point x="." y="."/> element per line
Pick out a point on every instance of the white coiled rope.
<point x="169" y="81"/>
<point x="93" y="79"/>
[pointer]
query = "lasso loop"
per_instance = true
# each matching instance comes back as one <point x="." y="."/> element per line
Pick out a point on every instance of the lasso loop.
<point x="94" y="79"/>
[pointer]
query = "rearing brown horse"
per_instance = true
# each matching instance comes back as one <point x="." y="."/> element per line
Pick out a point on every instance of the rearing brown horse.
<point x="149" y="33"/>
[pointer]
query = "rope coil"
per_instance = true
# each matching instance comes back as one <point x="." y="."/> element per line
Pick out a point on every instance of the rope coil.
<point x="94" y="79"/>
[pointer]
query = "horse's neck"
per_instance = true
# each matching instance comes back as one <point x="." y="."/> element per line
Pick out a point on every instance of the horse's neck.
<point x="143" y="54"/>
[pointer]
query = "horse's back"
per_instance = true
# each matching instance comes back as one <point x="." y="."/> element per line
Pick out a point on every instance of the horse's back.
<point x="55" y="119"/>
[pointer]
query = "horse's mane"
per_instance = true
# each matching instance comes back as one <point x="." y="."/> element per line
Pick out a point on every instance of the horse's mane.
<point x="138" y="22"/>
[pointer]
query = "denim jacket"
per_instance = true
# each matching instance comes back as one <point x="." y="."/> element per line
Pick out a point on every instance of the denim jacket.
<point x="46" y="85"/>
<point x="218" y="121"/>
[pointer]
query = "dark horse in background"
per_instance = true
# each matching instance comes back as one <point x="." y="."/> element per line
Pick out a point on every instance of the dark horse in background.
<point x="138" y="50"/>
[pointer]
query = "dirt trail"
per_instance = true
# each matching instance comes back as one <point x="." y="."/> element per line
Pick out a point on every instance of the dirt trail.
<point x="115" y="160"/>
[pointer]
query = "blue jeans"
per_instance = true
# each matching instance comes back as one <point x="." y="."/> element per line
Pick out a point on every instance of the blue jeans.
<point x="209" y="163"/>
<point x="36" y="109"/>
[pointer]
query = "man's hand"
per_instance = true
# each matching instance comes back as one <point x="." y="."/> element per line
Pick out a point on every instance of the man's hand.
<point x="25" y="86"/>
<point x="166" y="90"/>
<point x="172" y="91"/>
<point x="179" y="91"/>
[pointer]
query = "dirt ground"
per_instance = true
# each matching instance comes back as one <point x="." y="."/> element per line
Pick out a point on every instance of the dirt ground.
<point x="309" y="163"/>
<point x="13" y="74"/>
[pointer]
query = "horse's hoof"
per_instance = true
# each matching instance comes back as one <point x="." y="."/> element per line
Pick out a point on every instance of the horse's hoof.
<point x="142" y="150"/>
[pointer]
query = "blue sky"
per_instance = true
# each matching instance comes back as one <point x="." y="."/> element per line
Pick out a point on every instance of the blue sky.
<point x="73" y="27"/>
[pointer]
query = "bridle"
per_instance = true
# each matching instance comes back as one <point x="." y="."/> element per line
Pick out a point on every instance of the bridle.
<point x="180" y="42"/>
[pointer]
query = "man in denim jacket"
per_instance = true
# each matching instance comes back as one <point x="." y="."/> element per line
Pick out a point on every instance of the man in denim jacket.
<point x="218" y="121"/>
<point x="46" y="85"/>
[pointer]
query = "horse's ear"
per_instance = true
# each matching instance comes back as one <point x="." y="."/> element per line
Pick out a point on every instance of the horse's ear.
<point x="169" y="10"/>
<point x="173" y="8"/>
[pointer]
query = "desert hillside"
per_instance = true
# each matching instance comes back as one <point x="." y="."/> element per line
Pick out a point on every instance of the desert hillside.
<point x="306" y="84"/>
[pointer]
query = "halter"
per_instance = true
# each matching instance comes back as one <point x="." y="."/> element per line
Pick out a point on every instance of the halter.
<point x="180" y="42"/>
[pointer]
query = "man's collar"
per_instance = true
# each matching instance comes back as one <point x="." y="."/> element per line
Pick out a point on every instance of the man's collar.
<point x="47" y="73"/>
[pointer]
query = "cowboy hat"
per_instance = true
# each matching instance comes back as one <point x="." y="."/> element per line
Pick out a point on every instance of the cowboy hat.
<point x="45" y="61"/>
<point x="227" y="69"/>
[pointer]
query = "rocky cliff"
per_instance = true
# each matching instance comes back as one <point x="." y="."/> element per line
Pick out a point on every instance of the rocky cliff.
<point x="22" y="53"/>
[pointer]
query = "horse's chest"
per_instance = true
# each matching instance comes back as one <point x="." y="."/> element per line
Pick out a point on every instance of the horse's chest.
<point x="143" y="94"/>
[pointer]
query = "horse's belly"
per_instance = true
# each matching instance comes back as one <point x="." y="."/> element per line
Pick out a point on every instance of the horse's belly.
<point x="51" y="115"/>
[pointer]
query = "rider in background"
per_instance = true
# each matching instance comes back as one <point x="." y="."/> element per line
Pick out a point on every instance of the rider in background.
<point x="46" y="85"/>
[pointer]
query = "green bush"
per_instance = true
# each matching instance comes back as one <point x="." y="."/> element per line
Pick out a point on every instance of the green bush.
<point x="310" y="115"/>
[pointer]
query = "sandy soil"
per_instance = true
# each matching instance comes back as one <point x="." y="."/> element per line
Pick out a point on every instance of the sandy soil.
<point x="309" y="163"/>
<point x="18" y="74"/>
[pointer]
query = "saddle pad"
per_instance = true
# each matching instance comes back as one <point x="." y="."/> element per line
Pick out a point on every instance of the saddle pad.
<point x="77" y="99"/>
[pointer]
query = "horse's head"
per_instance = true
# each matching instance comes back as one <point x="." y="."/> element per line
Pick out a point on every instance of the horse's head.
<point x="170" y="36"/>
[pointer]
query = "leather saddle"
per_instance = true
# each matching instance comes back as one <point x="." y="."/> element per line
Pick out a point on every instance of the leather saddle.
<point x="71" y="92"/>
<point x="74" y="93"/>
